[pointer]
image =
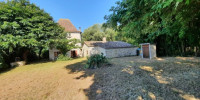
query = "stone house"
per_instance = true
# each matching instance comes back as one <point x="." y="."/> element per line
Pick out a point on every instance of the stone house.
<point x="72" y="33"/>
<point x="110" y="49"/>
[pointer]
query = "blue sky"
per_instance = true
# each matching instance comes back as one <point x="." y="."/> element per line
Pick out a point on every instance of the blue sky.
<point x="82" y="13"/>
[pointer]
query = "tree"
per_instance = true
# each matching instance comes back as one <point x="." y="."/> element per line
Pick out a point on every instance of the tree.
<point x="64" y="45"/>
<point x="97" y="32"/>
<point x="24" y="27"/>
<point x="171" y="24"/>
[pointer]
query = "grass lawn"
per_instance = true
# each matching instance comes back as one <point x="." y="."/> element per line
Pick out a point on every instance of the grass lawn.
<point x="170" y="78"/>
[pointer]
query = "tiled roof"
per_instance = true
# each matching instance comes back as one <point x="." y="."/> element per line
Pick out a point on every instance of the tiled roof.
<point x="67" y="24"/>
<point x="109" y="44"/>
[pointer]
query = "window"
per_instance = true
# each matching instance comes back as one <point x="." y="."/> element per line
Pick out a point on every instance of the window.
<point x="68" y="35"/>
<point x="56" y="54"/>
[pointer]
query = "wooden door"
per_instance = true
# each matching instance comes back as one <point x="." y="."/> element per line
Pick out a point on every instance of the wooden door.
<point x="76" y="53"/>
<point x="56" y="55"/>
<point x="72" y="54"/>
<point x="145" y="49"/>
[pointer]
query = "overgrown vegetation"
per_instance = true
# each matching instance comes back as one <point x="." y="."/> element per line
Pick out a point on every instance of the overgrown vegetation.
<point x="96" y="61"/>
<point x="62" y="57"/>
<point x="173" y="25"/>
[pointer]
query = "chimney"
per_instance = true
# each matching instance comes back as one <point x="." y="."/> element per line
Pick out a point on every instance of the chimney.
<point x="104" y="39"/>
<point x="79" y="28"/>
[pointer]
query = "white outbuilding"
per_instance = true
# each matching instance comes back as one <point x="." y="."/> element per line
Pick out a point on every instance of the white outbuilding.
<point x="148" y="50"/>
<point x="110" y="49"/>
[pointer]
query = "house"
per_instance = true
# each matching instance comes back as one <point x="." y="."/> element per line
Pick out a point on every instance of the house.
<point x="148" y="50"/>
<point x="71" y="33"/>
<point x="110" y="49"/>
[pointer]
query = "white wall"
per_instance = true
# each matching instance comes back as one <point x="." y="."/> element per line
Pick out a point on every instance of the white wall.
<point x="120" y="52"/>
<point x="75" y="36"/>
<point x="153" y="51"/>
<point x="109" y="53"/>
<point x="88" y="51"/>
<point x="72" y="36"/>
<point x="78" y="52"/>
<point x="51" y="53"/>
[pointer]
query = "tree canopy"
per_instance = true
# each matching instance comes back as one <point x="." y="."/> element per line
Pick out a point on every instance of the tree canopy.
<point x="97" y="32"/>
<point x="64" y="45"/>
<point x="171" y="24"/>
<point x="24" y="26"/>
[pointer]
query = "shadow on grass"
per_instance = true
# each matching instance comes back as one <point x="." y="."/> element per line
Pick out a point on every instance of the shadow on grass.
<point x="130" y="81"/>
<point x="4" y="70"/>
<point x="29" y="63"/>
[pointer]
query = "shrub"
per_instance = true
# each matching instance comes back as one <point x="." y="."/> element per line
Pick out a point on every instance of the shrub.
<point x="32" y="56"/>
<point x="2" y="63"/>
<point x="62" y="57"/>
<point x="96" y="61"/>
<point x="45" y="54"/>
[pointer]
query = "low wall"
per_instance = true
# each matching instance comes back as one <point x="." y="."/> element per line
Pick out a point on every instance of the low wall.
<point x="121" y="52"/>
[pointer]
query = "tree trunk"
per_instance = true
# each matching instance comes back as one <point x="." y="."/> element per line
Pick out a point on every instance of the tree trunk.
<point x="25" y="55"/>
<point x="40" y="52"/>
<point x="196" y="51"/>
<point x="182" y="45"/>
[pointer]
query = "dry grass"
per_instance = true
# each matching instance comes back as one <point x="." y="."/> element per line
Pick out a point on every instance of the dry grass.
<point x="158" y="79"/>
<point x="128" y="78"/>
<point x="40" y="81"/>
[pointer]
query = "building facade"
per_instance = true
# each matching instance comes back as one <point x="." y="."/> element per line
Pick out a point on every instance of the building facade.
<point x="71" y="33"/>
<point x="110" y="49"/>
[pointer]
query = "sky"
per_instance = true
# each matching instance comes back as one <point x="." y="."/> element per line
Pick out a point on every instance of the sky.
<point x="82" y="13"/>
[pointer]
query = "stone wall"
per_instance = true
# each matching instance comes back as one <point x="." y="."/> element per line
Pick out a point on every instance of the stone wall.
<point x="51" y="53"/>
<point x="153" y="51"/>
<point x="109" y="53"/>
<point x="88" y="51"/>
<point x="120" y="52"/>
<point x="71" y="36"/>
<point x="75" y="36"/>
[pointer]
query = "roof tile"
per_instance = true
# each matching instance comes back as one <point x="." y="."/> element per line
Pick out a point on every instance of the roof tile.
<point x="109" y="44"/>
<point x="67" y="24"/>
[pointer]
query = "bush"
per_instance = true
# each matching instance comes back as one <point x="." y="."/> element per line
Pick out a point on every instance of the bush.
<point x="96" y="61"/>
<point x="45" y="54"/>
<point x="32" y="56"/>
<point x="62" y="57"/>
<point x="2" y="63"/>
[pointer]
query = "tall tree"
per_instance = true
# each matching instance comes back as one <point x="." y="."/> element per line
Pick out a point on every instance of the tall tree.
<point x="23" y="27"/>
<point x="64" y="45"/>
<point x="97" y="32"/>
<point x="171" y="24"/>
